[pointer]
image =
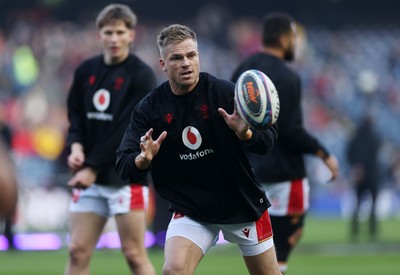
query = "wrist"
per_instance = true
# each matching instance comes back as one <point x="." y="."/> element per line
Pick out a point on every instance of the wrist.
<point x="246" y="135"/>
<point x="76" y="146"/>
<point x="323" y="154"/>
<point x="142" y="162"/>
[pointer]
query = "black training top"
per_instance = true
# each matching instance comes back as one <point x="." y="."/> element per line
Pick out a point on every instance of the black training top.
<point x="201" y="168"/>
<point x="285" y="162"/>
<point x="100" y="103"/>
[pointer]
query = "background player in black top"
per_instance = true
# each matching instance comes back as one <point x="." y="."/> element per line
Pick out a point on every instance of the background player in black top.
<point x="8" y="182"/>
<point x="282" y="172"/>
<point x="362" y="154"/>
<point x="198" y="162"/>
<point x="104" y="92"/>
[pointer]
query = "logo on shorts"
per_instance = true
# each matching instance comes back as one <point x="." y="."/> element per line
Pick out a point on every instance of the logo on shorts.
<point x="246" y="232"/>
<point x="75" y="195"/>
<point x="178" y="215"/>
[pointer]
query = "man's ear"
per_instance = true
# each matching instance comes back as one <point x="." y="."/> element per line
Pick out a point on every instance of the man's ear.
<point x="162" y="64"/>
<point x="283" y="41"/>
<point x="133" y="35"/>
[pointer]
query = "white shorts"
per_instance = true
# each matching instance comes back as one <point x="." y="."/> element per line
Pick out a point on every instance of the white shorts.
<point x="288" y="198"/>
<point x="253" y="238"/>
<point x="107" y="201"/>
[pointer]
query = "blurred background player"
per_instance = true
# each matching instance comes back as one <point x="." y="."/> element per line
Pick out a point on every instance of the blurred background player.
<point x="282" y="172"/>
<point x="362" y="154"/>
<point x="8" y="178"/>
<point x="198" y="162"/>
<point x="104" y="92"/>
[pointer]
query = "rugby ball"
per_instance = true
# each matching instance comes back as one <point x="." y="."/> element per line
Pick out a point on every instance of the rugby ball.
<point x="256" y="99"/>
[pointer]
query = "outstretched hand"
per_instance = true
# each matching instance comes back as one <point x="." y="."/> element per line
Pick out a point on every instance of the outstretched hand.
<point x="236" y="123"/>
<point x="149" y="148"/>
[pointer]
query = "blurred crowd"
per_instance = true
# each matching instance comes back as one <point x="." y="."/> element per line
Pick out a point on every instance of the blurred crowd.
<point x="346" y="73"/>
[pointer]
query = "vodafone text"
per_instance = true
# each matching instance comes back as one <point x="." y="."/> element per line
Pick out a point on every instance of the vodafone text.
<point x="197" y="155"/>
<point x="100" y="116"/>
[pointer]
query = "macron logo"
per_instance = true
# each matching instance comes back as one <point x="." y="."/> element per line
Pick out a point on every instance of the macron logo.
<point x="246" y="232"/>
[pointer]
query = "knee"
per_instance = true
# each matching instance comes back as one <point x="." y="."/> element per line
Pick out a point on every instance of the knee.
<point x="133" y="255"/>
<point x="79" y="255"/>
<point x="173" y="268"/>
<point x="295" y="237"/>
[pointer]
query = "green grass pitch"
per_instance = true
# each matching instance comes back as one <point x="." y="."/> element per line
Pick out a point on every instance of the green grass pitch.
<point x="324" y="250"/>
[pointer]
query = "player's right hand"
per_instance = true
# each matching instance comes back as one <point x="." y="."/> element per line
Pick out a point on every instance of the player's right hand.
<point x="76" y="158"/>
<point x="149" y="148"/>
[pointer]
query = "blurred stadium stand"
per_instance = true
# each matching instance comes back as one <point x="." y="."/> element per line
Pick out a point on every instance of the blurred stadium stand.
<point x="328" y="12"/>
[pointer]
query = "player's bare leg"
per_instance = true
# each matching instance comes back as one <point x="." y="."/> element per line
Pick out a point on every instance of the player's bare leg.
<point x="181" y="256"/>
<point x="263" y="264"/>
<point x="85" y="230"/>
<point x="131" y="228"/>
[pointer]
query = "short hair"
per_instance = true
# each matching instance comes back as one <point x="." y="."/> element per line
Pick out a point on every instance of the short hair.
<point x="174" y="34"/>
<point x="115" y="12"/>
<point x="274" y="25"/>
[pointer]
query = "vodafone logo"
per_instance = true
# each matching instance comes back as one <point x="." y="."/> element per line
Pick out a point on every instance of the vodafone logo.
<point x="191" y="137"/>
<point x="101" y="100"/>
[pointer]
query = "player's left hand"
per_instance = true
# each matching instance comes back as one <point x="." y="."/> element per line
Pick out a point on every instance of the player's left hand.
<point x="236" y="123"/>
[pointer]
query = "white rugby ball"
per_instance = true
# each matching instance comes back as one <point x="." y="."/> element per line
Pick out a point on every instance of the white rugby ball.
<point x="256" y="99"/>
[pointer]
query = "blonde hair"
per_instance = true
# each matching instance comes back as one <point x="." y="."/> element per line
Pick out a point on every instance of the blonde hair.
<point x="173" y="34"/>
<point x="115" y="12"/>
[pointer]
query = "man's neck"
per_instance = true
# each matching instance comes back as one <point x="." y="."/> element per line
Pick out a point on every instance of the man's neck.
<point x="273" y="51"/>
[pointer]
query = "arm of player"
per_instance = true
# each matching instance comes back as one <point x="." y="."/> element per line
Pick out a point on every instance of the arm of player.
<point x="76" y="157"/>
<point x="330" y="161"/>
<point x="134" y="156"/>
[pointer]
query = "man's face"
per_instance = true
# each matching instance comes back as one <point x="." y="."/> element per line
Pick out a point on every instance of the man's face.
<point x="181" y="62"/>
<point x="116" y="39"/>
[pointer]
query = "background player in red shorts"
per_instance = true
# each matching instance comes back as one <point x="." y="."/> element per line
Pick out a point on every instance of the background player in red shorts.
<point x="104" y="92"/>
<point x="282" y="172"/>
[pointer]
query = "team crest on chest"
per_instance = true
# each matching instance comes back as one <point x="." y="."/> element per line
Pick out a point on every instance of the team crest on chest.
<point x="92" y="79"/>
<point x="119" y="81"/>
<point x="204" y="111"/>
